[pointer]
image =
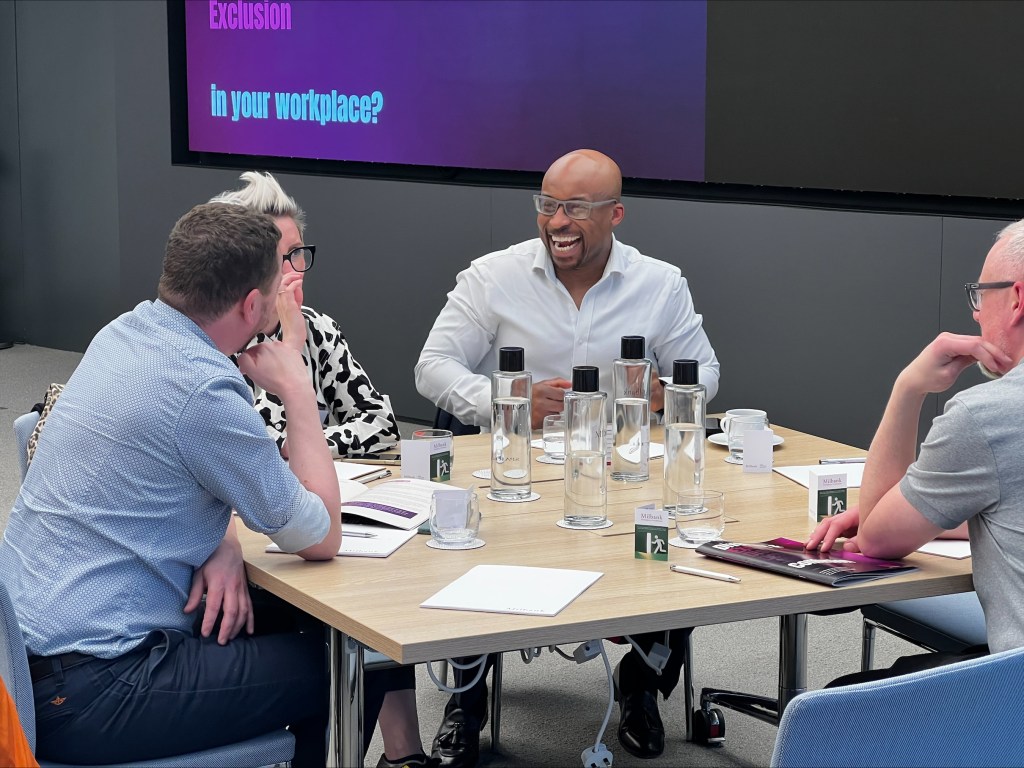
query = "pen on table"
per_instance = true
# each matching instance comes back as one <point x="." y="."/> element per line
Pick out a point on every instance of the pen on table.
<point x="851" y="460"/>
<point x="357" y="534"/>
<point x="705" y="574"/>
<point x="375" y="475"/>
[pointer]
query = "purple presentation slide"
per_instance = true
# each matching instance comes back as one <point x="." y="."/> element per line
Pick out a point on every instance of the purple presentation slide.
<point x="505" y="84"/>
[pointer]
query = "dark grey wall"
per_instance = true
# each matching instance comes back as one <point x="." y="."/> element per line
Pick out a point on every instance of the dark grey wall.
<point x="812" y="313"/>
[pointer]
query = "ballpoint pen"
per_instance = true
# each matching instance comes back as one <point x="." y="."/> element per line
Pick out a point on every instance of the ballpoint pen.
<point x="705" y="574"/>
<point x="357" y="534"/>
<point x="375" y="475"/>
<point x="851" y="460"/>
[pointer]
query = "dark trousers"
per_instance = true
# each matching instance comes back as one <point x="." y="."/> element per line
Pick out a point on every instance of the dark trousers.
<point x="913" y="663"/>
<point x="635" y="675"/>
<point x="180" y="693"/>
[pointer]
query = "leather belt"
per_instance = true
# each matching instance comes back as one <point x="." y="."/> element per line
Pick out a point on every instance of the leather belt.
<point x="40" y="667"/>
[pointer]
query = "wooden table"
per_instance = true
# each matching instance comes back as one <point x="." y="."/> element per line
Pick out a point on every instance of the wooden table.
<point x="375" y="602"/>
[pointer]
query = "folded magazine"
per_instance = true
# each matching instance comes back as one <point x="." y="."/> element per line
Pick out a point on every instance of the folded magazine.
<point x="788" y="557"/>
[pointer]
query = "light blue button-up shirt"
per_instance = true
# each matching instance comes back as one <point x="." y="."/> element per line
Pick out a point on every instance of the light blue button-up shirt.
<point x="152" y="443"/>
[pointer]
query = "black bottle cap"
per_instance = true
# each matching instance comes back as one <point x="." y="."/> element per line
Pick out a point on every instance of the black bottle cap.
<point x="633" y="347"/>
<point x="685" y="372"/>
<point x="585" y="378"/>
<point x="511" y="359"/>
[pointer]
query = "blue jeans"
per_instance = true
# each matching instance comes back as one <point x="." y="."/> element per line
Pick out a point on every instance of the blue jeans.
<point x="180" y="693"/>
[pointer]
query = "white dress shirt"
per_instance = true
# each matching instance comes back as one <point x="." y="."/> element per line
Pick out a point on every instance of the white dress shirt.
<point x="513" y="298"/>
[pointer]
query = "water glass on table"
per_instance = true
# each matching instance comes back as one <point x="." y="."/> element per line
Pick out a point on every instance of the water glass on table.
<point x="554" y="436"/>
<point x="737" y="423"/>
<point x="454" y="518"/>
<point x="700" y="517"/>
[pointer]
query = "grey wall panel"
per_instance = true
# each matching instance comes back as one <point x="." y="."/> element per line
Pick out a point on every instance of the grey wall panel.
<point x="14" y="324"/>
<point x="390" y="255"/>
<point x="812" y="313"/>
<point x="66" y="100"/>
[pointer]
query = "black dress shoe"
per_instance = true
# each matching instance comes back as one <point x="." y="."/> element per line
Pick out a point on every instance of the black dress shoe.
<point x="457" y="743"/>
<point x="641" y="732"/>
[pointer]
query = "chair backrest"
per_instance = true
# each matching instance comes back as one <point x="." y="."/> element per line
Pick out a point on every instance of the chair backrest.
<point x="965" y="714"/>
<point x="14" y="666"/>
<point x="445" y="420"/>
<point x="23" y="426"/>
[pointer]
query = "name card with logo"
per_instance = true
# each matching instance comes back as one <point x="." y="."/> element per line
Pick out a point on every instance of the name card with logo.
<point x="651" y="536"/>
<point x="826" y="493"/>
<point x="427" y="459"/>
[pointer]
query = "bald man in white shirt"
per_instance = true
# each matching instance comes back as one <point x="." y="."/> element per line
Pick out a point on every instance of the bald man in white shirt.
<point x="566" y="297"/>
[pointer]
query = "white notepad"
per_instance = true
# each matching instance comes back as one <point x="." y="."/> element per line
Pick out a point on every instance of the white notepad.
<point x="513" y="589"/>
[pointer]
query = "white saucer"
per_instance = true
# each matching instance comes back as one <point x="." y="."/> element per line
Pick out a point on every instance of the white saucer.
<point x="474" y="544"/>
<point x="719" y="438"/>
<point x="545" y="459"/>
<point x="563" y="524"/>
<point x="482" y="474"/>
<point x="532" y="497"/>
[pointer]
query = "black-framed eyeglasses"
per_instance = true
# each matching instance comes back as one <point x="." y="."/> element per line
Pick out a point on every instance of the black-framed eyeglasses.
<point x="301" y="257"/>
<point x="974" y="291"/>
<point x="574" y="209"/>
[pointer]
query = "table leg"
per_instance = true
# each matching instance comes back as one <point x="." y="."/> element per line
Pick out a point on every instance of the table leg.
<point x="792" y="658"/>
<point x="792" y="678"/>
<point x="346" y="700"/>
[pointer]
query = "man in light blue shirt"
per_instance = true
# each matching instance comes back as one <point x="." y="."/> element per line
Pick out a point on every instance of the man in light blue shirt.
<point x="124" y="519"/>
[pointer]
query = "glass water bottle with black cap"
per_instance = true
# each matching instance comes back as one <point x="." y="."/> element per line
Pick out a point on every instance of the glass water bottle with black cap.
<point x="586" y="491"/>
<point x="685" y="410"/>
<point x="511" y="392"/>
<point x="631" y="429"/>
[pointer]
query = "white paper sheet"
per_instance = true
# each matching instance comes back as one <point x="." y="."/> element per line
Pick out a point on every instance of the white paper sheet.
<point x="958" y="549"/>
<point x="854" y="473"/>
<point x="513" y="589"/>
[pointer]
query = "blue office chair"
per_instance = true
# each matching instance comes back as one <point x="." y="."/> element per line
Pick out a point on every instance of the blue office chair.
<point x="23" y="426"/>
<point x="961" y="715"/>
<point x="945" y="623"/>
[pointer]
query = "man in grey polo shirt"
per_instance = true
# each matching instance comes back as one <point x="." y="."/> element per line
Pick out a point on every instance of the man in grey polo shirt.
<point x="970" y="469"/>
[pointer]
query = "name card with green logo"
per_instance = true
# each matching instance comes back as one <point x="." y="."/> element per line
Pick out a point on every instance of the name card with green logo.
<point x="826" y="493"/>
<point x="651" y="537"/>
<point x="427" y="459"/>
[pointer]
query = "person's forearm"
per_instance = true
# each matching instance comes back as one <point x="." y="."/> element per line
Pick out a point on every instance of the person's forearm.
<point x="310" y="461"/>
<point x="893" y="448"/>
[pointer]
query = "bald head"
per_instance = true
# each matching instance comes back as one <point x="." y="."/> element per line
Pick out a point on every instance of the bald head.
<point x="587" y="169"/>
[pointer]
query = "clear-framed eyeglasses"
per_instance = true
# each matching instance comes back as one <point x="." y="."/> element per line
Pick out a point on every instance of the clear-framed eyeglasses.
<point x="974" y="291"/>
<point x="301" y="258"/>
<point x="574" y="209"/>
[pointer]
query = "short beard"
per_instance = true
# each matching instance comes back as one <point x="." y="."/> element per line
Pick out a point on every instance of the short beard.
<point x="987" y="372"/>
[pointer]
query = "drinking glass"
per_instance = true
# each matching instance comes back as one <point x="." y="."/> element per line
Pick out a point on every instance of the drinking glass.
<point x="454" y="518"/>
<point x="700" y="516"/>
<point x="554" y="437"/>
<point x="736" y="427"/>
